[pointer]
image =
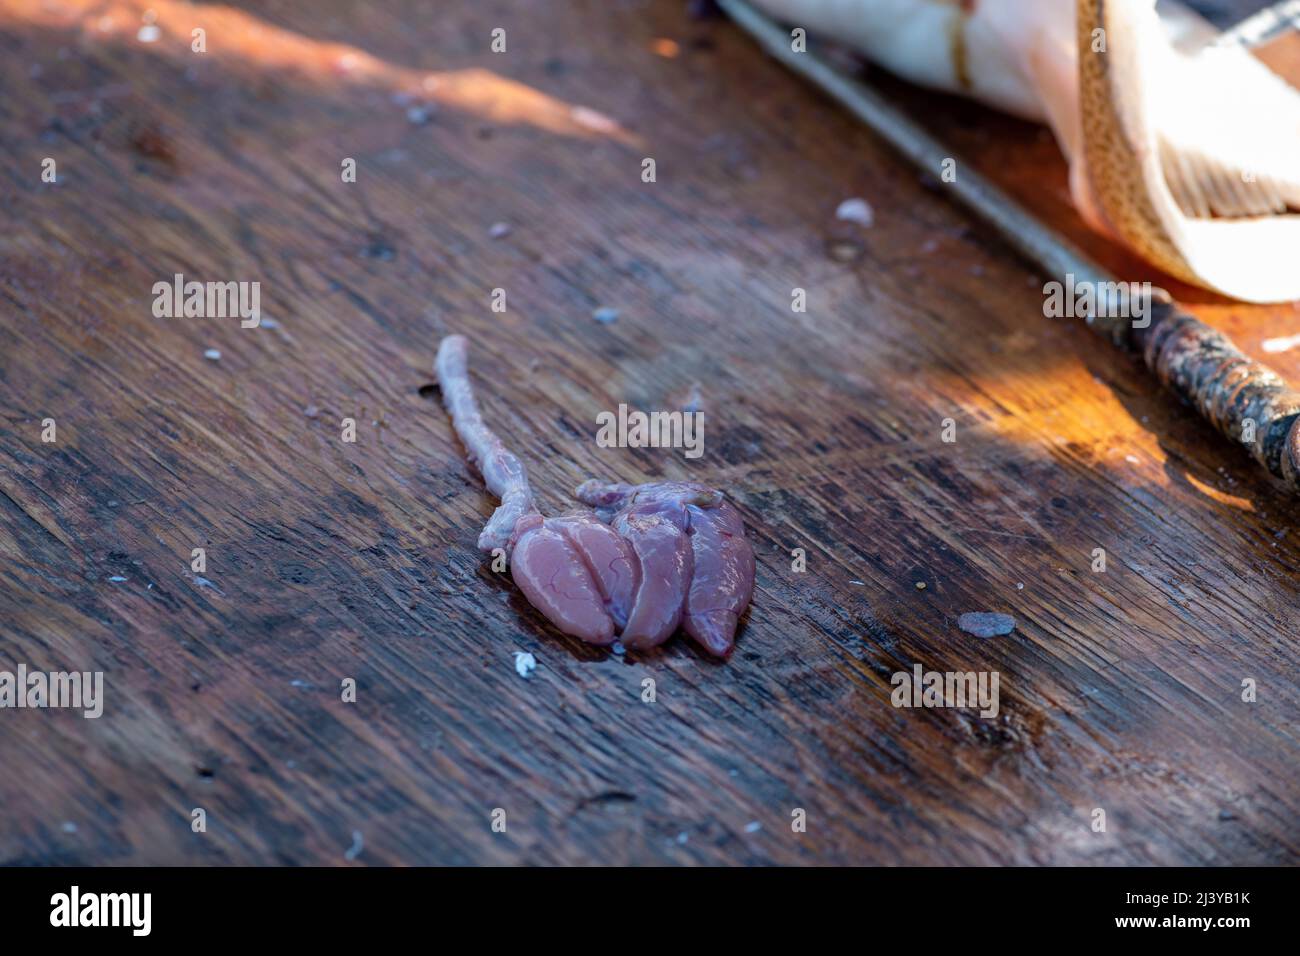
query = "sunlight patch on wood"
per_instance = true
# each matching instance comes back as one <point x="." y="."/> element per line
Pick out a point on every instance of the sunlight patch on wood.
<point x="233" y="34"/>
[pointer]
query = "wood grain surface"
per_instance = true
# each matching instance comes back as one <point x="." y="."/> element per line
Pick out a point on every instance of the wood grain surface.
<point x="329" y="560"/>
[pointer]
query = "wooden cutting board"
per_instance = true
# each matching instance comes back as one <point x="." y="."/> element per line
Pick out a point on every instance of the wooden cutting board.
<point x="328" y="560"/>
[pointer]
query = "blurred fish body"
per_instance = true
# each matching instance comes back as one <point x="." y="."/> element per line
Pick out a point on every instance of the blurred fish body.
<point x="1185" y="150"/>
<point x="977" y="48"/>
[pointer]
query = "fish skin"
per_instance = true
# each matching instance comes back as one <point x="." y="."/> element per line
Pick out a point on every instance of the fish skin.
<point x="962" y="47"/>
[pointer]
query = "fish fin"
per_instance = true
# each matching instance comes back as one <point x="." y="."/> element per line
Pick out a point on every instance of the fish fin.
<point x="1140" y="95"/>
<point x="1229" y="136"/>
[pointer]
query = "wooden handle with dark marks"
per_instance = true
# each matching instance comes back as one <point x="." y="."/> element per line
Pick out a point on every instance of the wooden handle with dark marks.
<point x="1226" y="386"/>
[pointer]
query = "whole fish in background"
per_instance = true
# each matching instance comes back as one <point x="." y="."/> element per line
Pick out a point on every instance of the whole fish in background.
<point x="1186" y="152"/>
<point x="645" y="560"/>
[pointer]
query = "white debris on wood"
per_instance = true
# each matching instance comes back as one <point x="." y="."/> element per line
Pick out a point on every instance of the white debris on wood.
<point x="525" y="664"/>
<point x="358" y="844"/>
<point x="1282" y="344"/>
<point x="856" y="210"/>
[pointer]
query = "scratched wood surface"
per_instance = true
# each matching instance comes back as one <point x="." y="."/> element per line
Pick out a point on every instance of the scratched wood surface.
<point x="328" y="560"/>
